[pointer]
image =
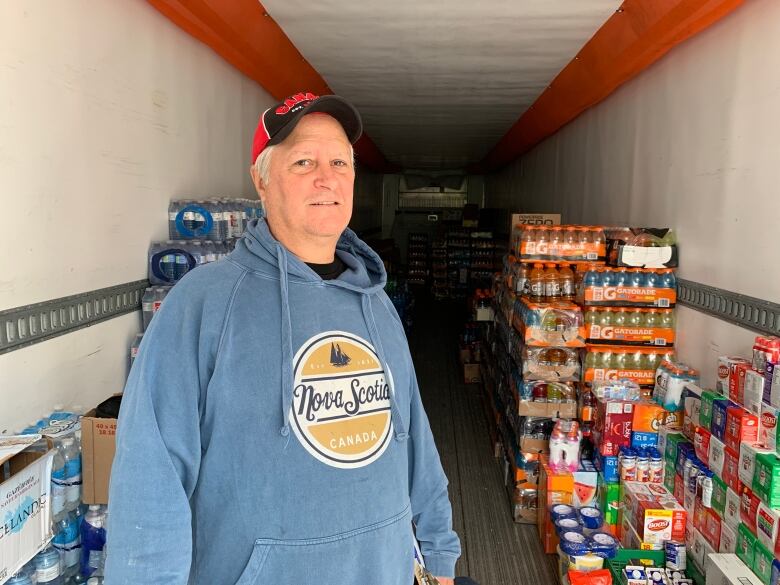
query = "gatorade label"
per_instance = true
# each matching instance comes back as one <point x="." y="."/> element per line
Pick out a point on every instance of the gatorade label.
<point x="663" y="298"/>
<point x="537" y="289"/>
<point x="552" y="289"/>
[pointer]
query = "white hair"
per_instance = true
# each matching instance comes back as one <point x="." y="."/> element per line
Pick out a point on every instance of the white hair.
<point x="263" y="162"/>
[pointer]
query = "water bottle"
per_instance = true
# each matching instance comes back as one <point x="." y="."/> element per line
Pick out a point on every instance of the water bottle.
<point x="47" y="567"/>
<point x="622" y="279"/>
<point x="58" y="484"/>
<point x="636" y="279"/>
<point x="20" y="578"/>
<point x="209" y="252"/>
<point x="174" y="207"/>
<point x="168" y="263"/>
<point x="59" y="414"/>
<point x="608" y="278"/>
<point x="72" y="456"/>
<point x="67" y="541"/>
<point x="93" y="540"/>
<point x="147" y="307"/>
<point x="652" y="279"/>
<point x="668" y="279"/>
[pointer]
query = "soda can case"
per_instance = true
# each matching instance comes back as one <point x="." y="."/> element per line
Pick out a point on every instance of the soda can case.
<point x="629" y="287"/>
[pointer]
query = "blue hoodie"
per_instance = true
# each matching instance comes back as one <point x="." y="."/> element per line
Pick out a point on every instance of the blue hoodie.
<point x="272" y="431"/>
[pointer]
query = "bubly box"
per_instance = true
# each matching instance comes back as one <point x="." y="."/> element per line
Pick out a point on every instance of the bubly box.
<point x="641" y="440"/>
<point x="719" y="418"/>
<point x="766" y="480"/>
<point x="669" y="475"/>
<point x="648" y="417"/>
<point x="762" y="562"/>
<point x="746" y="544"/>
<point x="767" y="426"/>
<point x="737" y="373"/>
<point x="754" y="391"/>
<point x="767" y="523"/>
<point x="741" y="426"/>
<point x="673" y="442"/>
<point x="719" y="490"/>
<point x="724" y="368"/>
<point x="748" y="508"/>
<point x="732" y="510"/>
<point x="708" y="397"/>
<point x="613" y="424"/>
<point x="654" y="512"/>
<point x="730" y="474"/>
<point x="717" y="455"/>
<point x="663" y="440"/>
<point x="747" y="461"/>
<point x="701" y="444"/>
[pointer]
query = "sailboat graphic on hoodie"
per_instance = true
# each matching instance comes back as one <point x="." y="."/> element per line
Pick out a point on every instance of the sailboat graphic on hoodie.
<point x="337" y="357"/>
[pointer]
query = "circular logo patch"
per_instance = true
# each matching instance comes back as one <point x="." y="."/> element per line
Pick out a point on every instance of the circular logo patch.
<point x="341" y="400"/>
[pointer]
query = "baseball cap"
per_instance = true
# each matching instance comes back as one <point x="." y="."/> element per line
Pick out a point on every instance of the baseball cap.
<point x="278" y="121"/>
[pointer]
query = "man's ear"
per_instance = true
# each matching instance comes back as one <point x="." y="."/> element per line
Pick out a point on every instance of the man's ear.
<point x="258" y="182"/>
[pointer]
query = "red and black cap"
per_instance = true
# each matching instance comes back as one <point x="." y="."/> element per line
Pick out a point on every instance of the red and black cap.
<point x="278" y="121"/>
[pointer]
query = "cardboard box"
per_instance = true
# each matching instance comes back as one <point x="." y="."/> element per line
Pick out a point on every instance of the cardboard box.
<point x="728" y="539"/>
<point x="549" y="497"/>
<point x="484" y="314"/>
<point x="766" y="480"/>
<point x="547" y="409"/>
<point x="747" y="461"/>
<point x="767" y="523"/>
<point x="653" y="511"/>
<point x="741" y="426"/>
<point x="730" y="473"/>
<point x="664" y="435"/>
<point x="711" y="528"/>
<point x="748" y="508"/>
<point x="767" y="426"/>
<point x="731" y="511"/>
<point x="701" y="444"/>
<point x="691" y="407"/>
<point x="762" y="562"/>
<point x="679" y="488"/>
<point x="705" y="410"/>
<point x="648" y="417"/>
<point x="586" y="480"/>
<point x="673" y="442"/>
<point x="98" y="444"/>
<point x="719" y="491"/>
<point x="724" y="369"/>
<point x="754" y="391"/>
<point x="610" y="501"/>
<point x="641" y="439"/>
<point x="24" y="501"/>
<point x="673" y="420"/>
<point x="717" y="455"/>
<point x="728" y="569"/>
<point x="774" y="392"/>
<point x="471" y="373"/>
<point x="669" y="475"/>
<point x="746" y="545"/>
<point x="737" y="372"/>
<point x="630" y="539"/>
<point x="535" y="219"/>
<point x="613" y="425"/>
<point x="719" y="418"/>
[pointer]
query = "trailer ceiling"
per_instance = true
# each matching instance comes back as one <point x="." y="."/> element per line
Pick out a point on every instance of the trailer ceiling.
<point x="439" y="83"/>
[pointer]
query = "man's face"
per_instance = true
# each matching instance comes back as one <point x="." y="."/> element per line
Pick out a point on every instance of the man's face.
<point x="309" y="193"/>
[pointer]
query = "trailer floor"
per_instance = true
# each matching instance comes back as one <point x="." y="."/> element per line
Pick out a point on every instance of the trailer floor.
<point x="496" y="551"/>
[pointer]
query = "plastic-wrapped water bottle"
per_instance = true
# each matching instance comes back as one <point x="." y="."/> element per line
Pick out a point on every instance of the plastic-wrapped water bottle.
<point x="72" y="456"/>
<point x="147" y="306"/>
<point x="174" y="207"/>
<point x="20" y="578"/>
<point x="168" y="262"/>
<point x="67" y="541"/>
<point x="136" y="345"/>
<point x="58" y="485"/>
<point x="93" y="539"/>
<point x="47" y="567"/>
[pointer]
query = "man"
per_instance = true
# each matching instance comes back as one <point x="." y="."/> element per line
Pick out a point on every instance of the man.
<point x="271" y="429"/>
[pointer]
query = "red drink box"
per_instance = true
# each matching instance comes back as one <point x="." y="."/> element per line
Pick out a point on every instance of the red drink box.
<point x="741" y="426"/>
<point x="748" y="509"/>
<point x="613" y="425"/>
<point x="737" y="373"/>
<point x="701" y="444"/>
<point x="679" y="488"/>
<point x="654" y="512"/>
<point x="731" y="469"/>
<point x="712" y="528"/>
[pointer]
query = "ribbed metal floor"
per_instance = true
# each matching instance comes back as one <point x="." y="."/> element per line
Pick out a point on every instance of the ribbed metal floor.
<point x="496" y="551"/>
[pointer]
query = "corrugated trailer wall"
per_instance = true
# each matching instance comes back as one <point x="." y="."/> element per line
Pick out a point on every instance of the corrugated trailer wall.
<point x="105" y="124"/>
<point x="691" y="143"/>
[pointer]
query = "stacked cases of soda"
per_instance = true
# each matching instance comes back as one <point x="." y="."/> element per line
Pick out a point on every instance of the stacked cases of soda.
<point x="74" y="553"/>
<point x="552" y="334"/>
<point x="458" y="262"/>
<point x="417" y="260"/>
<point x="727" y="464"/>
<point x="439" y="268"/>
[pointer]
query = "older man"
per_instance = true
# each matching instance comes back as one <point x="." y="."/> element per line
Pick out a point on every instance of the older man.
<point x="272" y="429"/>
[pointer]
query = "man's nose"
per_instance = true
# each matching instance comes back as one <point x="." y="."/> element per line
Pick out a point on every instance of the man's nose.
<point x="325" y="176"/>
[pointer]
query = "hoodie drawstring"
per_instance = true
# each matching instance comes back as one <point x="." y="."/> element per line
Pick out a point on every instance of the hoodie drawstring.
<point x="400" y="430"/>
<point x="287" y="348"/>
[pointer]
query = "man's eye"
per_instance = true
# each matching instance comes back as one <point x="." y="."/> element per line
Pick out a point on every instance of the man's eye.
<point x="304" y="162"/>
<point x="340" y="163"/>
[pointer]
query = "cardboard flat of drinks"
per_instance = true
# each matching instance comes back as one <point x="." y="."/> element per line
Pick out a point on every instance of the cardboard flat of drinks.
<point x="11" y="445"/>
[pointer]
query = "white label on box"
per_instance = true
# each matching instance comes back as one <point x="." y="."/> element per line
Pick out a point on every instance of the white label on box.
<point x="747" y="461"/>
<point x="717" y="454"/>
<point x="646" y="256"/>
<point x="754" y="391"/>
<point x="728" y="539"/>
<point x="732" y="509"/>
<point x="767" y="426"/>
<point x="26" y="514"/>
<point x="767" y="524"/>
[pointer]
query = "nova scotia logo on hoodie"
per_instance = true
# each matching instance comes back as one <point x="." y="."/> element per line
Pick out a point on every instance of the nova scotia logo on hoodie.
<point x="341" y="400"/>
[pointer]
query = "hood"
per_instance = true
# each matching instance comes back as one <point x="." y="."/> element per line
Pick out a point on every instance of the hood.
<point x="258" y="251"/>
